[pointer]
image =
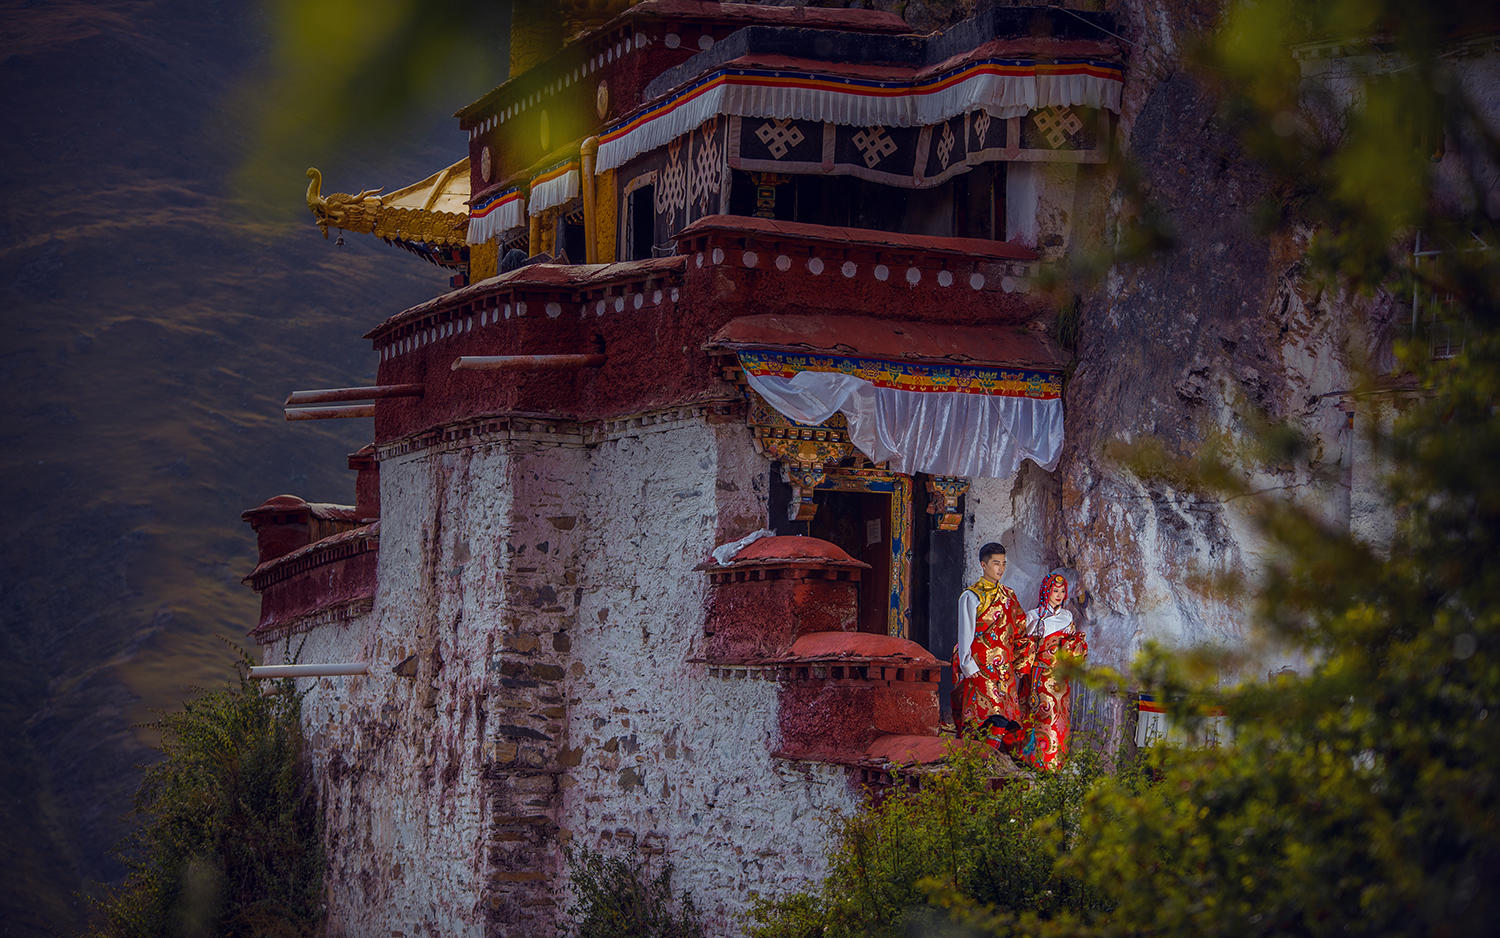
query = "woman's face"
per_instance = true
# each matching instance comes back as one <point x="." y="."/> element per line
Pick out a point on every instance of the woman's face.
<point x="1056" y="595"/>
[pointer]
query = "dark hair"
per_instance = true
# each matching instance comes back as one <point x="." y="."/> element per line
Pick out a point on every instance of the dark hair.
<point x="989" y="550"/>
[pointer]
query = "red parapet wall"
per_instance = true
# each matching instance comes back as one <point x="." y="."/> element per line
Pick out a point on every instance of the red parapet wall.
<point x="776" y="590"/>
<point x="795" y="268"/>
<point x="841" y="691"/>
<point x="652" y="319"/>
<point x="337" y="572"/>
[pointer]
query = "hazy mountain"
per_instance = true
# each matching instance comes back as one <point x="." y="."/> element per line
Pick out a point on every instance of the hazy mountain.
<point x="152" y="326"/>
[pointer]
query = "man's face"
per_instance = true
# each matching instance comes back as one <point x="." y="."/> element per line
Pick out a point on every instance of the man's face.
<point x="992" y="567"/>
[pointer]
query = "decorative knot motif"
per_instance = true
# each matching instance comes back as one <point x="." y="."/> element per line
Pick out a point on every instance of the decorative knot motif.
<point x="945" y="144"/>
<point x="672" y="190"/>
<point x="875" y="144"/>
<point x="982" y="125"/>
<point x="1057" y="124"/>
<point x="708" y="167"/>
<point x="779" y="135"/>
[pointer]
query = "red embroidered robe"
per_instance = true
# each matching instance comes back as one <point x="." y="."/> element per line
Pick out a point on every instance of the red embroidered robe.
<point x="990" y="705"/>
<point x="1051" y="700"/>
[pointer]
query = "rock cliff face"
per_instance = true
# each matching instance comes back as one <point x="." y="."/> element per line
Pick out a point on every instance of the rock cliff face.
<point x="1216" y="323"/>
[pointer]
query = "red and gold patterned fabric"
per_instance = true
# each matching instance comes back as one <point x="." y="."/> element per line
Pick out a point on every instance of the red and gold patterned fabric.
<point x="990" y="706"/>
<point x="1050" y="705"/>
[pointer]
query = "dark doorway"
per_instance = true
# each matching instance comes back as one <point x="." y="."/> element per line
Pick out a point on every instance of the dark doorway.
<point x="860" y="523"/>
<point x="851" y="520"/>
<point x="940" y="564"/>
<point x="640" y="228"/>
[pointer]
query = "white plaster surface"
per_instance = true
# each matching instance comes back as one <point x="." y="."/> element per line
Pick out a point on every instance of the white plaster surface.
<point x="669" y="753"/>
<point x="398" y="758"/>
<point x="514" y="550"/>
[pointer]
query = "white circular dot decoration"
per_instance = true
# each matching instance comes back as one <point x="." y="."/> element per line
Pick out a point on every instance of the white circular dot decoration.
<point x="520" y="309"/>
<point x="554" y="310"/>
<point x="783" y="262"/>
<point x="976" y="280"/>
<point x="945" y="278"/>
<point x="815" y="265"/>
<point x="674" y="294"/>
<point x="850" y="268"/>
<point x="698" y="259"/>
<point x="705" y="42"/>
<point x="913" y="276"/>
<point x="656" y="298"/>
<point x="751" y="259"/>
<point x="718" y="255"/>
<point x="637" y="301"/>
<point x="882" y="272"/>
<point x="1008" y="284"/>
<point x="507" y="310"/>
<point x="673" y="40"/>
<point x="599" y="309"/>
<point x="619" y="304"/>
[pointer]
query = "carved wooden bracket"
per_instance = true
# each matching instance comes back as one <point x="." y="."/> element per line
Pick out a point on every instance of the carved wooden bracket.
<point x="804" y="452"/>
<point x="944" y="492"/>
<point x="804" y="478"/>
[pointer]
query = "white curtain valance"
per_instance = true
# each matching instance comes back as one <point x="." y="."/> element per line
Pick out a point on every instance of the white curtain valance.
<point x="953" y="420"/>
<point x="1003" y="88"/>
<point x="495" y="214"/>
<point x="554" y="187"/>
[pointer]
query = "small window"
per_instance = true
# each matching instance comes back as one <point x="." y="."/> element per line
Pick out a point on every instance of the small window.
<point x="570" y="238"/>
<point x="979" y="203"/>
<point x="641" y="225"/>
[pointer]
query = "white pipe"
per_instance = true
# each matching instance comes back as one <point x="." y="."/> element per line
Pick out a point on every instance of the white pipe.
<point x="332" y="669"/>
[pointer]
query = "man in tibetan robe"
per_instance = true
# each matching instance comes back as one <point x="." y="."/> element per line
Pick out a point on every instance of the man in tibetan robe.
<point x="992" y="653"/>
<point x="1052" y="631"/>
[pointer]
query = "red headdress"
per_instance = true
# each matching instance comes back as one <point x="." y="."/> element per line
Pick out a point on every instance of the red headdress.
<point x="1055" y="579"/>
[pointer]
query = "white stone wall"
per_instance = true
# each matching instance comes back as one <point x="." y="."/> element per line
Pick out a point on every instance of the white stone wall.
<point x="681" y="760"/>
<point x="398" y="759"/>
<point x="547" y="589"/>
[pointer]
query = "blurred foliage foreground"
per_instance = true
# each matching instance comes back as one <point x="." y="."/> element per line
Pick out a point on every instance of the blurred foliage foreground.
<point x="1362" y="796"/>
<point x="229" y="843"/>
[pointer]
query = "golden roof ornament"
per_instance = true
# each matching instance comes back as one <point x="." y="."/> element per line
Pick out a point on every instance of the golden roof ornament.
<point x="433" y="211"/>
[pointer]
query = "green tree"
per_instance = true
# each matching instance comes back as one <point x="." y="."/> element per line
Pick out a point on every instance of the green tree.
<point x="230" y="837"/>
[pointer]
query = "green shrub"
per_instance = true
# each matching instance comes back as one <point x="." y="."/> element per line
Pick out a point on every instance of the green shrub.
<point x="618" y="896"/>
<point x="230" y="837"/>
<point x="954" y="840"/>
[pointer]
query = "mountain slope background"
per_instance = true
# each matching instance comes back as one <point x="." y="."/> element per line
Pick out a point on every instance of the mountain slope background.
<point x="154" y="320"/>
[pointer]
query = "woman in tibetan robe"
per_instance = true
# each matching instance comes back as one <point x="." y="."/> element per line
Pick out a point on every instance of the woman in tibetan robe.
<point x="991" y="654"/>
<point x="1052" y="629"/>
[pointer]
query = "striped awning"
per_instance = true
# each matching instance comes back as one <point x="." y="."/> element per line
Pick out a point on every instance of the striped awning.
<point x="1001" y="87"/>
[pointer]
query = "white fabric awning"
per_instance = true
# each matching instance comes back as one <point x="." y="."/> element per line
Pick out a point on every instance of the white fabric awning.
<point x="556" y="186"/>
<point x="971" y="421"/>
<point x="495" y="214"/>
<point x="1003" y="88"/>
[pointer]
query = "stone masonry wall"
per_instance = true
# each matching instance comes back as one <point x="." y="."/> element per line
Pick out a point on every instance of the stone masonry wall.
<point x="542" y="595"/>
<point x="399" y="758"/>
<point x="676" y="759"/>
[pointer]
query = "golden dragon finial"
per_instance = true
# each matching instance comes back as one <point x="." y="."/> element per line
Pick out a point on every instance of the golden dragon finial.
<point x="341" y="210"/>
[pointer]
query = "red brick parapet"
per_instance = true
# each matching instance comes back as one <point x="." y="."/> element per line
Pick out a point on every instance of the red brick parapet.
<point x="793" y="267"/>
<point x="848" y="689"/>
<point x="337" y="571"/>
<point x="775" y="590"/>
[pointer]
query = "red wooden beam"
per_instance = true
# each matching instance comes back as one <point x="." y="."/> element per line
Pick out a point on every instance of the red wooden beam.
<point x="328" y="413"/>
<point x="339" y="395"/>
<point x="523" y="362"/>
